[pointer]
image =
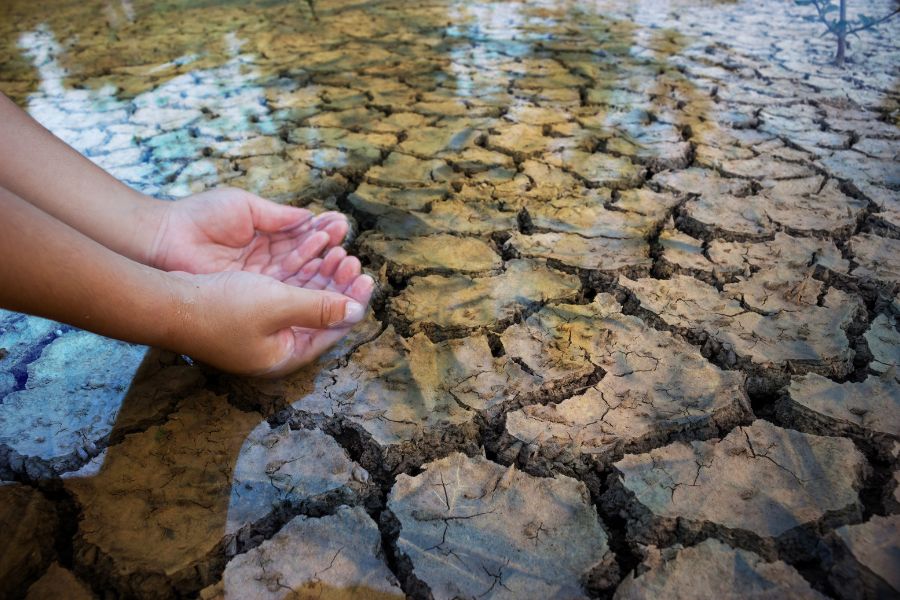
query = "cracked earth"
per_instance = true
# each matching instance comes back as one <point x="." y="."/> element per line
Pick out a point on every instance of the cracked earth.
<point x="636" y="329"/>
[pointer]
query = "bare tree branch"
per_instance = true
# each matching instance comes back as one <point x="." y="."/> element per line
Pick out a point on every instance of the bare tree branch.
<point x="873" y="23"/>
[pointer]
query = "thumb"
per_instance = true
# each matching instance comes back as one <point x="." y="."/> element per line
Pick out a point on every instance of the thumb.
<point x="271" y="217"/>
<point x="315" y="309"/>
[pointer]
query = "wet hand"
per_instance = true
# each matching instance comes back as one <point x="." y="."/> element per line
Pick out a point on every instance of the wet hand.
<point x="229" y="229"/>
<point x="254" y="325"/>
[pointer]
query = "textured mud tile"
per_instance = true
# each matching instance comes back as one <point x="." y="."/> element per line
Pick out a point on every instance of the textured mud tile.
<point x="518" y="140"/>
<point x="197" y="176"/>
<point x="888" y="203"/>
<point x="587" y="217"/>
<point x="21" y="336"/>
<point x="863" y="123"/>
<point x="701" y="181"/>
<point x="549" y="183"/>
<point x="783" y="249"/>
<point x="598" y="169"/>
<point x="867" y="559"/>
<point x="813" y="339"/>
<point x="728" y="217"/>
<point x="376" y="200"/>
<point x="812" y="205"/>
<point x="882" y="149"/>
<point x="349" y="162"/>
<point x="283" y="468"/>
<point x="29" y="529"/>
<point x="536" y="115"/>
<point x="682" y="253"/>
<point x="59" y="582"/>
<point x="428" y="142"/>
<point x="656" y="150"/>
<point x="655" y="387"/>
<point x="713" y="156"/>
<point x="630" y="256"/>
<point x="352" y="118"/>
<point x="337" y="556"/>
<point x="154" y="518"/>
<point x="280" y="178"/>
<point x="848" y="164"/>
<point x="876" y="257"/>
<point x="462" y="218"/>
<point x="460" y="303"/>
<point x="254" y="146"/>
<point x="439" y="253"/>
<point x="713" y="570"/>
<point x="62" y="419"/>
<point x="778" y="288"/>
<point x="403" y="170"/>
<point x="269" y="396"/>
<point x="399" y="121"/>
<point x="647" y="202"/>
<point x="690" y="491"/>
<point x="868" y="410"/>
<point x="407" y="392"/>
<point x="883" y="340"/>
<point x="471" y="528"/>
<point x="478" y="160"/>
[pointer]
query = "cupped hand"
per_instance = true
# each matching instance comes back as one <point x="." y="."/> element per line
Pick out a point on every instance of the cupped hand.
<point x="229" y="229"/>
<point x="251" y="324"/>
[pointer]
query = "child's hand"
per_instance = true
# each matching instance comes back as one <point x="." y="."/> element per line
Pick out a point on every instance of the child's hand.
<point x="229" y="229"/>
<point x="254" y="325"/>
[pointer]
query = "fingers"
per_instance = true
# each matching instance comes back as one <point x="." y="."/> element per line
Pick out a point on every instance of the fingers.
<point x="271" y="217"/>
<point x="315" y="309"/>
<point x="309" y="249"/>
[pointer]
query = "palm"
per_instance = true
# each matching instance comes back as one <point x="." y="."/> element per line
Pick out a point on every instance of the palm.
<point x="232" y="230"/>
<point x="336" y="272"/>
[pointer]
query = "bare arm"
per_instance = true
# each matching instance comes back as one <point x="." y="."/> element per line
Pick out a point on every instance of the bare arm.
<point x="38" y="166"/>
<point x="241" y="322"/>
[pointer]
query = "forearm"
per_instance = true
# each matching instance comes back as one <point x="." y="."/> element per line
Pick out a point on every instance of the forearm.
<point x="51" y="270"/>
<point x="45" y="171"/>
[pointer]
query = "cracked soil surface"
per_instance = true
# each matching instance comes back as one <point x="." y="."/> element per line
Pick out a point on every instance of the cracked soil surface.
<point x="636" y="329"/>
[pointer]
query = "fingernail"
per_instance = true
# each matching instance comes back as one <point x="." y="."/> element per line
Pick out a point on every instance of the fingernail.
<point x="353" y="313"/>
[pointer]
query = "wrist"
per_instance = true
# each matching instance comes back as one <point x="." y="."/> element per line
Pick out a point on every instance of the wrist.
<point x="181" y="323"/>
<point x="148" y="216"/>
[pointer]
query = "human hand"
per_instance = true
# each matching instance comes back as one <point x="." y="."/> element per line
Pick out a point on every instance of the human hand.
<point x="229" y="229"/>
<point x="250" y="324"/>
